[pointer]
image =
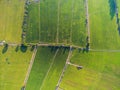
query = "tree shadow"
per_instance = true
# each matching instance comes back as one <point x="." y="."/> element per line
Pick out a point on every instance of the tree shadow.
<point x="112" y="4"/>
<point x="5" y="48"/>
<point x="53" y="48"/>
<point x="17" y="49"/>
<point x="32" y="48"/>
<point x="23" y="48"/>
<point x="119" y="29"/>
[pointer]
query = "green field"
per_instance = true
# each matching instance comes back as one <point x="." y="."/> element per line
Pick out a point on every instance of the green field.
<point x="13" y="67"/>
<point x="118" y="5"/>
<point x="101" y="71"/>
<point x="78" y="23"/>
<point x="46" y="69"/>
<point x="57" y="21"/>
<point x="103" y="26"/>
<point x="60" y="22"/>
<point x="48" y="22"/>
<point x="33" y="26"/>
<point x="11" y="17"/>
<point x="53" y="76"/>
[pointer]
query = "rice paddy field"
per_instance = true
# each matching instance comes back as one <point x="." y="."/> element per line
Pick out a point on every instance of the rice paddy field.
<point x="11" y="17"/>
<point x="46" y="69"/>
<point x="57" y="21"/>
<point x="13" y="67"/>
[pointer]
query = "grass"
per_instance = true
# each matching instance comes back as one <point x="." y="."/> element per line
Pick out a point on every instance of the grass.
<point x="103" y="27"/>
<point x="11" y="17"/>
<point x="53" y="76"/>
<point x="48" y="22"/>
<point x="32" y="33"/>
<point x="42" y="63"/>
<point x="78" y="23"/>
<point x="100" y="72"/>
<point x="65" y="21"/>
<point x="13" y="67"/>
<point x="118" y="4"/>
<point x="57" y="20"/>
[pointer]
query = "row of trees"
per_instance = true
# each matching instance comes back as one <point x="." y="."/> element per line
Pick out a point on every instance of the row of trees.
<point x="24" y="25"/>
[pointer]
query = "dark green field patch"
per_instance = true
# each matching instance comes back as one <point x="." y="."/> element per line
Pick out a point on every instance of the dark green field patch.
<point x="33" y="19"/>
<point x="57" y="21"/>
<point x="48" y="22"/>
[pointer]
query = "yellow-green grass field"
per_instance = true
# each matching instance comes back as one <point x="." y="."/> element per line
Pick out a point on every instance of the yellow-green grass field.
<point x="13" y="67"/>
<point x="46" y="69"/>
<point x="11" y="18"/>
<point x="101" y="71"/>
<point x="103" y="26"/>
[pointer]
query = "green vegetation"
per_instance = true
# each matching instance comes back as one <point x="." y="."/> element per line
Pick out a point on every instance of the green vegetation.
<point x="79" y="23"/>
<point x="60" y="22"/>
<point x="101" y="71"/>
<point x="48" y="22"/>
<point x="13" y="67"/>
<point x="41" y="64"/>
<point x="11" y="17"/>
<point x="103" y="26"/>
<point x="41" y="76"/>
<point x="118" y="4"/>
<point x="32" y="32"/>
<point x="53" y="76"/>
<point x="57" y="20"/>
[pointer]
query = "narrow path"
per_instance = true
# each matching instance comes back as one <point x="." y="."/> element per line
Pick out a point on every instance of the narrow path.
<point x="69" y="63"/>
<point x="87" y="20"/>
<point x="49" y="69"/>
<point x="64" y="69"/>
<point x="10" y="44"/>
<point x="57" y="36"/>
<point x="103" y="50"/>
<point x="30" y="66"/>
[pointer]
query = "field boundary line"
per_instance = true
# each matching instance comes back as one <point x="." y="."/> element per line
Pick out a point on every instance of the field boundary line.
<point x="103" y="50"/>
<point x="39" y="21"/>
<point x="57" y="36"/>
<point x="30" y="67"/>
<point x="49" y="68"/>
<point x="64" y="69"/>
<point x="87" y="21"/>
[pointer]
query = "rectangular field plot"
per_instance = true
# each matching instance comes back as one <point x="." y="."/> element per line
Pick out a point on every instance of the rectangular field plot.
<point x="65" y="16"/>
<point x="46" y="69"/>
<point x="13" y="67"/>
<point x="11" y="17"/>
<point x="53" y="76"/>
<point x="48" y="22"/>
<point x="103" y="25"/>
<point x="100" y="72"/>
<point x="57" y="21"/>
<point x="79" y="23"/>
<point x="33" y="21"/>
